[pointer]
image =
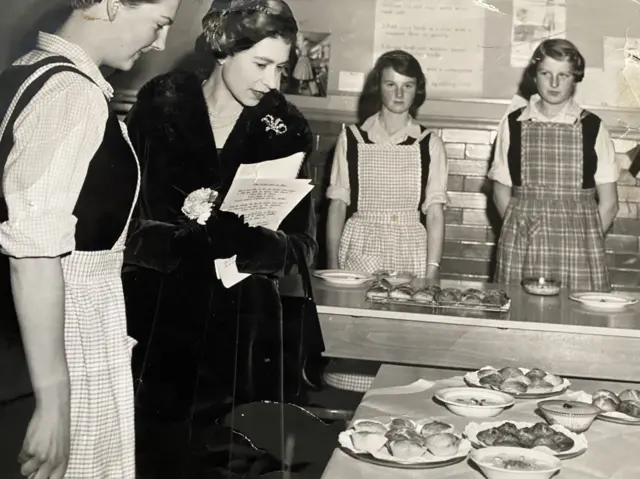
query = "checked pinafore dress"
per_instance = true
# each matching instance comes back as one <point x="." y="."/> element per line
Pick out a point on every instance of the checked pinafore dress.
<point x="97" y="346"/>
<point x="385" y="228"/>
<point x="552" y="227"/>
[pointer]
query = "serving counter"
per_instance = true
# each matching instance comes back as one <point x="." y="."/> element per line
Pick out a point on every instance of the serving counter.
<point x="553" y="333"/>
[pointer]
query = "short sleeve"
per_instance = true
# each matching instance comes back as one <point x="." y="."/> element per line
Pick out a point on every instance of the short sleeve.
<point x="499" y="170"/>
<point x="607" y="170"/>
<point x="55" y="138"/>
<point x="339" y="187"/>
<point x="436" y="189"/>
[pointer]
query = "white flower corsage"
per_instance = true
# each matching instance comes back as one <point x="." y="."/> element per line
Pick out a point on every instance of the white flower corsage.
<point x="199" y="204"/>
<point x="274" y="124"/>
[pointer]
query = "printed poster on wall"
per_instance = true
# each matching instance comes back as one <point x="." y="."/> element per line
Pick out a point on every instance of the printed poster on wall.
<point x="533" y="22"/>
<point x="446" y="37"/>
<point x="622" y="69"/>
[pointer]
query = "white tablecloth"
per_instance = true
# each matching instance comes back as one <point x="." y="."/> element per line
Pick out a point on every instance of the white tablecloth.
<point x="613" y="453"/>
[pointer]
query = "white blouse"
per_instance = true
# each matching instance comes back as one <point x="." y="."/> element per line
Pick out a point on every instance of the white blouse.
<point x="607" y="169"/>
<point x="436" y="188"/>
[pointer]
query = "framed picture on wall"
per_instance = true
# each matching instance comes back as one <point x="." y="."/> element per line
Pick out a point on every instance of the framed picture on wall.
<point x="308" y="71"/>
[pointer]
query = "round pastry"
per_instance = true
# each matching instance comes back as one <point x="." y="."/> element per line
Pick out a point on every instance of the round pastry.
<point x="513" y="386"/>
<point x="472" y="299"/>
<point x="524" y="380"/>
<point x="629" y="394"/>
<point x="368" y="441"/>
<point x="536" y="373"/>
<point x="403" y="292"/>
<point x="562" y="442"/>
<point x="402" y="422"/>
<point x="489" y="436"/>
<point x="511" y="373"/>
<point x="542" y="429"/>
<point x="605" y="404"/>
<point x="605" y="393"/>
<point x="434" y="427"/>
<point x="494" y="379"/>
<point x="486" y="372"/>
<point x="377" y="292"/>
<point x="450" y="295"/>
<point x="405" y="449"/>
<point x="540" y="385"/>
<point x="508" y="428"/>
<point x="369" y="426"/>
<point x="630" y="407"/>
<point x="526" y="438"/>
<point x="443" y="444"/>
<point x="424" y="297"/>
<point x="553" y="380"/>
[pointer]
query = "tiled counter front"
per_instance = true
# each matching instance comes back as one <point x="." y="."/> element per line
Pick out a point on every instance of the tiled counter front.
<point x="470" y="218"/>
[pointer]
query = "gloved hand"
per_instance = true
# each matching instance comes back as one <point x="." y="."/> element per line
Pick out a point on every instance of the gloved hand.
<point x="229" y="234"/>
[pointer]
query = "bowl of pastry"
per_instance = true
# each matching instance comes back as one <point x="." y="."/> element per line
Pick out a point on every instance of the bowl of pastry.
<point x="523" y="383"/>
<point x="576" y="416"/>
<point x="474" y="402"/>
<point x="621" y="408"/>
<point x="404" y="442"/>
<point x="541" y="286"/>
<point x="515" y="462"/>
<point x="552" y="439"/>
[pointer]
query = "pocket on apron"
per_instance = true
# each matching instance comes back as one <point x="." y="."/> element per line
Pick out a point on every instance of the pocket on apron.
<point x="356" y="261"/>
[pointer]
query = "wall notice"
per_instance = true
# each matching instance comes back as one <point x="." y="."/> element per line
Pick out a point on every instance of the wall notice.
<point x="446" y="38"/>
<point x="533" y="22"/>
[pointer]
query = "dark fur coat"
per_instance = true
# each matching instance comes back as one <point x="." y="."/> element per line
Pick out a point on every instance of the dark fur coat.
<point x="193" y="332"/>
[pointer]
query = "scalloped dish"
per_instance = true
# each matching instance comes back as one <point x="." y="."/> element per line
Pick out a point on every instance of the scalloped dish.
<point x="555" y="439"/>
<point x="405" y="441"/>
<point x="519" y="382"/>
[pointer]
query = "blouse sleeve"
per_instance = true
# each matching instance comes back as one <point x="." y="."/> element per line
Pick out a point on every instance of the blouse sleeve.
<point x="500" y="168"/>
<point x="436" y="189"/>
<point x="607" y="170"/>
<point x="55" y="138"/>
<point x="339" y="187"/>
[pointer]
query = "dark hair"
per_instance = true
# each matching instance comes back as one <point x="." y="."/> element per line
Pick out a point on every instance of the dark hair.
<point x="83" y="4"/>
<point x="243" y="23"/>
<point x="401" y="62"/>
<point x="558" y="49"/>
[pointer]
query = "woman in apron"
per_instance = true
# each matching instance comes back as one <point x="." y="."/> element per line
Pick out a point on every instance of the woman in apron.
<point x="68" y="189"/>
<point x="553" y="159"/>
<point x="388" y="186"/>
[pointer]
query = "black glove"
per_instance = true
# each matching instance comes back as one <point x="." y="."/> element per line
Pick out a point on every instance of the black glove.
<point x="229" y="234"/>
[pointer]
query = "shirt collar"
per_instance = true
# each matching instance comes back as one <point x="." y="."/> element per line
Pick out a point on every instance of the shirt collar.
<point x="378" y="134"/>
<point x="59" y="46"/>
<point x="569" y="114"/>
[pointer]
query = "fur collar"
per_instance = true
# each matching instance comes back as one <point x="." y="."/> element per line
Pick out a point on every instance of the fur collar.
<point x="171" y="109"/>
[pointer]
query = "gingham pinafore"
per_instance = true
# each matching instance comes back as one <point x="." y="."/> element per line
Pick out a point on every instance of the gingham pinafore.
<point x="385" y="229"/>
<point x="385" y="232"/>
<point x="552" y="226"/>
<point x="97" y="346"/>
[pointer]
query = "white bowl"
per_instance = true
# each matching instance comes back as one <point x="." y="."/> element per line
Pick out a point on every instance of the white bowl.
<point x="474" y="402"/>
<point x="482" y="457"/>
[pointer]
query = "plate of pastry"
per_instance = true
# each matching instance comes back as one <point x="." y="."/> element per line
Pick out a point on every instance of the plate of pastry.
<point x="555" y="439"/>
<point x="621" y="408"/>
<point x="604" y="301"/>
<point x="521" y="383"/>
<point x="342" y="277"/>
<point x="433" y="296"/>
<point x="404" y="443"/>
